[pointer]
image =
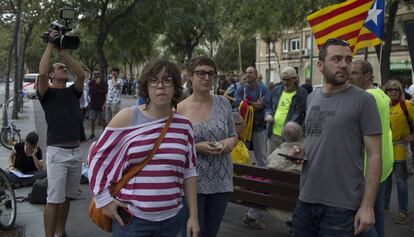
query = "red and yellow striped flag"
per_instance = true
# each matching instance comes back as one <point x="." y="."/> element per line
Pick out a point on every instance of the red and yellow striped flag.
<point x="344" y="21"/>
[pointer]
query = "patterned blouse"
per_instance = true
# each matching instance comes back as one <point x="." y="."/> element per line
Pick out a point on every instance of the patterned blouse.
<point x="114" y="92"/>
<point x="215" y="172"/>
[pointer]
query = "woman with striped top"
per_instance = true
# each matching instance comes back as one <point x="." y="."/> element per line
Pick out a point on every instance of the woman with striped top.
<point x="153" y="196"/>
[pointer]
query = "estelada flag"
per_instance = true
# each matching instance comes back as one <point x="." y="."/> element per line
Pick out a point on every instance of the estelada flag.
<point x="360" y="22"/>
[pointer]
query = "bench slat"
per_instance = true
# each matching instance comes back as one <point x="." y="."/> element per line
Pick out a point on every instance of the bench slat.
<point x="266" y="173"/>
<point x="263" y="200"/>
<point x="275" y="188"/>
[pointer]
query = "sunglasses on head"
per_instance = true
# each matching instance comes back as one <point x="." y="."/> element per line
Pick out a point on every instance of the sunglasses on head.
<point x="335" y="41"/>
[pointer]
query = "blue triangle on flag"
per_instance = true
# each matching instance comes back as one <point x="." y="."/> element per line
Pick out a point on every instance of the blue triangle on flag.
<point x="375" y="19"/>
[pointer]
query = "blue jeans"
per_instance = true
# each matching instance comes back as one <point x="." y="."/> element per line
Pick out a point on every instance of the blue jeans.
<point x="400" y="173"/>
<point x="211" y="208"/>
<point x="316" y="220"/>
<point x="144" y="228"/>
<point x="378" y="229"/>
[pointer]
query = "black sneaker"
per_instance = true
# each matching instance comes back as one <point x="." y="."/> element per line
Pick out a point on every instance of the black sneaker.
<point x="92" y="136"/>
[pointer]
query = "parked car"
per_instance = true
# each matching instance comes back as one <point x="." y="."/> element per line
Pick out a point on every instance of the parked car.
<point x="29" y="85"/>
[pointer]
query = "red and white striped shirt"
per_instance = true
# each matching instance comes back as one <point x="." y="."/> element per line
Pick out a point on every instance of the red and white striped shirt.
<point x="155" y="192"/>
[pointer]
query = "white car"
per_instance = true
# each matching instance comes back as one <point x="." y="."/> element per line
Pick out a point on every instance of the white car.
<point x="30" y="82"/>
<point x="29" y="85"/>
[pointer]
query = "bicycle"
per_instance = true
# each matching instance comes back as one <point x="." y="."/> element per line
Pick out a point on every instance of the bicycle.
<point x="8" y="209"/>
<point x="9" y="135"/>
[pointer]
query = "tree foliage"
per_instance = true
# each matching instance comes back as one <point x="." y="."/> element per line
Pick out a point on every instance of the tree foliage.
<point x="187" y="24"/>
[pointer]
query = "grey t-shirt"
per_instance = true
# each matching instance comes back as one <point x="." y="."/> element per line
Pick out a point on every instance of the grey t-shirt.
<point x="335" y="125"/>
<point x="215" y="172"/>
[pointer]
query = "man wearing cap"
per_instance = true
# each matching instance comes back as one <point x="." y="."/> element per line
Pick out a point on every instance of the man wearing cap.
<point x="287" y="103"/>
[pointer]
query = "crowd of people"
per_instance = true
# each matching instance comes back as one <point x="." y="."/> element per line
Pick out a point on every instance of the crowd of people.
<point x="352" y="138"/>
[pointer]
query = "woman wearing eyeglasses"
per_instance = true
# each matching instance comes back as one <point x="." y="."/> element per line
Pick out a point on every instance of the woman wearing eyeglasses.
<point x="215" y="136"/>
<point x="148" y="205"/>
<point x="401" y="117"/>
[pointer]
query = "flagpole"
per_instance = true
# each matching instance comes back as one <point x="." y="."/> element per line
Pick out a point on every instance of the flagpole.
<point x="311" y="59"/>
<point x="380" y="62"/>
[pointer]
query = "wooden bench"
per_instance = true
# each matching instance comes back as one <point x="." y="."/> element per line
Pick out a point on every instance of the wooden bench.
<point x="280" y="191"/>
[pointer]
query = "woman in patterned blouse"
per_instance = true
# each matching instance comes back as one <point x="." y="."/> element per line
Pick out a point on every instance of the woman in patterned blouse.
<point x="215" y="136"/>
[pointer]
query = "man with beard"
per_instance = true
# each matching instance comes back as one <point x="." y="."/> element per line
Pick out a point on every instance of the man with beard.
<point x="362" y="77"/>
<point x="341" y="120"/>
<point x="63" y="119"/>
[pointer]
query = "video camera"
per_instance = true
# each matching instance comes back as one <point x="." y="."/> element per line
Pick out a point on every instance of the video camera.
<point x="63" y="41"/>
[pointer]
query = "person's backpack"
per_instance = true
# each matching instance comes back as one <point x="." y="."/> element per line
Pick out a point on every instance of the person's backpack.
<point x="39" y="192"/>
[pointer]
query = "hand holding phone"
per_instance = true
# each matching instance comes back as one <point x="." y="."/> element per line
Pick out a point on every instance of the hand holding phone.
<point x="292" y="158"/>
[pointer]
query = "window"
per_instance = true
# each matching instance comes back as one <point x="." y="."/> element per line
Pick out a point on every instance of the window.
<point x="396" y="38"/>
<point x="294" y="44"/>
<point x="271" y="48"/>
<point x="308" y="42"/>
<point x="285" y="46"/>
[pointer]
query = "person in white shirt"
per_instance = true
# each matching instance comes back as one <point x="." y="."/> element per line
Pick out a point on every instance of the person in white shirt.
<point x="113" y="98"/>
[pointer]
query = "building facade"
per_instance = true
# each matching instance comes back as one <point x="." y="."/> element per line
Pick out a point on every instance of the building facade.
<point x="296" y="49"/>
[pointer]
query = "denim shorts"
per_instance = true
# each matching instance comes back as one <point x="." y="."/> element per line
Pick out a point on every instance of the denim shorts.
<point x="63" y="173"/>
<point x="94" y="114"/>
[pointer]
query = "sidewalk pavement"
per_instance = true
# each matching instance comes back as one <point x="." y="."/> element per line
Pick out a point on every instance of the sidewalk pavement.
<point x="29" y="216"/>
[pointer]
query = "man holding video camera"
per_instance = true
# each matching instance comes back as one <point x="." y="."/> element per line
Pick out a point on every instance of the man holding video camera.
<point x="63" y="118"/>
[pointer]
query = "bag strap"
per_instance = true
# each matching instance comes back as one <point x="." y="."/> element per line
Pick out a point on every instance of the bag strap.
<point x="404" y="109"/>
<point x="132" y="171"/>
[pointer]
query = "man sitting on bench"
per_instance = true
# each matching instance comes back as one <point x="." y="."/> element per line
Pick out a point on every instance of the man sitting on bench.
<point x="25" y="162"/>
<point x="292" y="135"/>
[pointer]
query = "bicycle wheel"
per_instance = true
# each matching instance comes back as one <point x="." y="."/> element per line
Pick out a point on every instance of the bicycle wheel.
<point x="9" y="137"/>
<point x="8" y="210"/>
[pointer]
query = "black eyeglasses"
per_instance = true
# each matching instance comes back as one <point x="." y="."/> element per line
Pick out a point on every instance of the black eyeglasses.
<point x="202" y="74"/>
<point x="334" y="41"/>
<point x="165" y="82"/>
<point x="393" y="89"/>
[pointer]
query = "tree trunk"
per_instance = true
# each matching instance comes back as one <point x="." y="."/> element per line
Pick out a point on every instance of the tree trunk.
<point x="386" y="51"/>
<point x="269" y="65"/>
<point x="7" y="89"/>
<point x="103" y="64"/>
<point x="27" y="37"/>
<point x="189" y="50"/>
<point x="240" y="56"/>
<point x="131" y="67"/>
<point x="17" y="77"/>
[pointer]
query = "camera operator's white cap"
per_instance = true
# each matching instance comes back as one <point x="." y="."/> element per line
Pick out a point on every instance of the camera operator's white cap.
<point x="289" y="72"/>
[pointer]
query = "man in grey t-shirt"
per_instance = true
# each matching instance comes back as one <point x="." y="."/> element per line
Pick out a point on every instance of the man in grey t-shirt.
<point x="335" y="199"/>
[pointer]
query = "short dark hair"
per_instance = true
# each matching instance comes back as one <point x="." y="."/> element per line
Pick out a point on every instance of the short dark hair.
<point x="153" y="68"/>
<point x="199" y="61"/>
<point x="32" y="138"/>
<point x="115" y="69"/>
<point x="323" y="51"/>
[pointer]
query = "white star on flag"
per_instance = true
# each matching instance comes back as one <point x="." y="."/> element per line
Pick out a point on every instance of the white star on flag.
<point x="373" y="14"/>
